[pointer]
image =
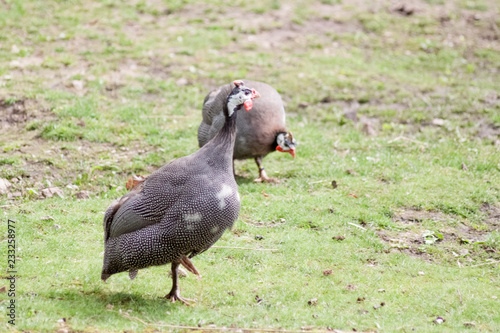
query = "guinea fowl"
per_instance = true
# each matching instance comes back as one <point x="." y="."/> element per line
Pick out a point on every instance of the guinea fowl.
<point x="180" y="210"/>
<point x="256" y="136"/>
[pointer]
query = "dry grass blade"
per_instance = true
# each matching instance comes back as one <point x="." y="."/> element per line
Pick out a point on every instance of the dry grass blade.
<point x="126" y="315"/>
<point x="243" y="248"/>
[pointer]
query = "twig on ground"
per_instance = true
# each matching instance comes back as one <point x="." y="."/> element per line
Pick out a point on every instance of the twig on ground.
<point x="487" y="263"/>
<point x="356" y="225"/>
<point x="459" y="264"/>
<point x="319" y="181"/>
<point x="460" y="295"/>
<point x="243" y="248"/>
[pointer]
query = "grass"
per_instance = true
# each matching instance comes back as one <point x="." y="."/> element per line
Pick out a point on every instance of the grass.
<point x="94" y="91"/>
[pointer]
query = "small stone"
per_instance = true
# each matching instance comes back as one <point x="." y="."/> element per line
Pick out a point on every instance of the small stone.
<point x="438" y="122"/>
<point x="62" y="322"/>
<point x="182" y="82"/>
<point x="303" y="105"/>
<point x="3" y="289"/>
<point x="376" y="306"/>
<point x="56" y="226"/>
<point x="469" y="324"/>
<point x="338" y="238"/>
<point x="259" y="237"/>
<point x="327" y="272"/>
<point x="334" y="184"/>
<point x="351" y="287"/>
<point x="52" y="191"/>
<point x="46" y="218"/>
<point x="4" y="186"/>
<point x="439" y="320"/>
<point x="352" y="172"/>
<point x="421" y="273"/>
<point x="82" y="195"/>
<point x="313" y="302"/>
<point x="381" y="290"/>
<point x="77" y="84"/>
<point x="110" y="307"/>
<point x="463" y="252"/>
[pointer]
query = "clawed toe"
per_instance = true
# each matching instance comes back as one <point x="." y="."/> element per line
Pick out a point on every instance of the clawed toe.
<point x="267" y="180"/>
<point x="176" y="296"/>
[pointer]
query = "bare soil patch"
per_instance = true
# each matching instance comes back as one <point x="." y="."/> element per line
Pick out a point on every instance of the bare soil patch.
<point x="457" y="237"/>
<point x="16" y="113"/>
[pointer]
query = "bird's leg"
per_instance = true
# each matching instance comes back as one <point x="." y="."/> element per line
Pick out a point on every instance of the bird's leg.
<point x="263" y="178"/>
<point x="189" y="265"/>
<point x="175" y="293"/>
<point x="262" y="173"/>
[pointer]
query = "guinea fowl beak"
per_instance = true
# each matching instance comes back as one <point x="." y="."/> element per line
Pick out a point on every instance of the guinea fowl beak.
<point x="255" y="94"/>
<point x="292" y="152"/>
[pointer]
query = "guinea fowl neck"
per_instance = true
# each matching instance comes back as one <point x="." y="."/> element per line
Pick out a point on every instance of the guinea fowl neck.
<point x="223" y="143"/>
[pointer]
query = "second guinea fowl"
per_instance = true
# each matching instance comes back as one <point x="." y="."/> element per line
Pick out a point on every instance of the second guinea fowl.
<point x="258" y="134"/>
<point x="180" y="210"/>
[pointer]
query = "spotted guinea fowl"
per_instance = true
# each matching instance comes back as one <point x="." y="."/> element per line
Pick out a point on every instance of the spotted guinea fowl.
<point x="256" y="136"/>
<point x="180" y="210"/>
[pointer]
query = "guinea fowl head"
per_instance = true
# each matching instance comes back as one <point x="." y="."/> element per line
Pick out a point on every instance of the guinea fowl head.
<point x="240" y="96"/>
<point x="286" y="143"/>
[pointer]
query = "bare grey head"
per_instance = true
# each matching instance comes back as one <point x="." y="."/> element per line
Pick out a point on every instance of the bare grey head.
<point x="240" y="96"/>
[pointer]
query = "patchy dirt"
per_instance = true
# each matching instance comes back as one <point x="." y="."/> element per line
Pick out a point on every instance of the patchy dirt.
<point x="488" y="131"/>
<point x="16" y="113"/>
<point x="492" y="215"/>
<point x="409" y="216"/>
<point x="457" y="237"/>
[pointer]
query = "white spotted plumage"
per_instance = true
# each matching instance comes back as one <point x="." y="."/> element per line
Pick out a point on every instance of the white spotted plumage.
<point x="180" y="210"/>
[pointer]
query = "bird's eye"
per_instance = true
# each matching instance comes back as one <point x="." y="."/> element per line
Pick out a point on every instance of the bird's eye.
<point x="247" y="92"/>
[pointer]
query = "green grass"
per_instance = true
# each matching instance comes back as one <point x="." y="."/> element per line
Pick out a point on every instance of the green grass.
<point x="109" y="90"/>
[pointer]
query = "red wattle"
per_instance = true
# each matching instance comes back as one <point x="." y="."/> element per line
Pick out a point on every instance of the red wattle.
<point x="248" y="105"/>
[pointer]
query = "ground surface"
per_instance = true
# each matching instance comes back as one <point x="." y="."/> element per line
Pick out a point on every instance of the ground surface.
<point x="387" y="219"/>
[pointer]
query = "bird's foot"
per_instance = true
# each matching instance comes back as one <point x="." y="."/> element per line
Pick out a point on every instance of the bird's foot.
<point x="266" y="179"/>
<point x="263" y="178"/>
<point x="175" y="295"/>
